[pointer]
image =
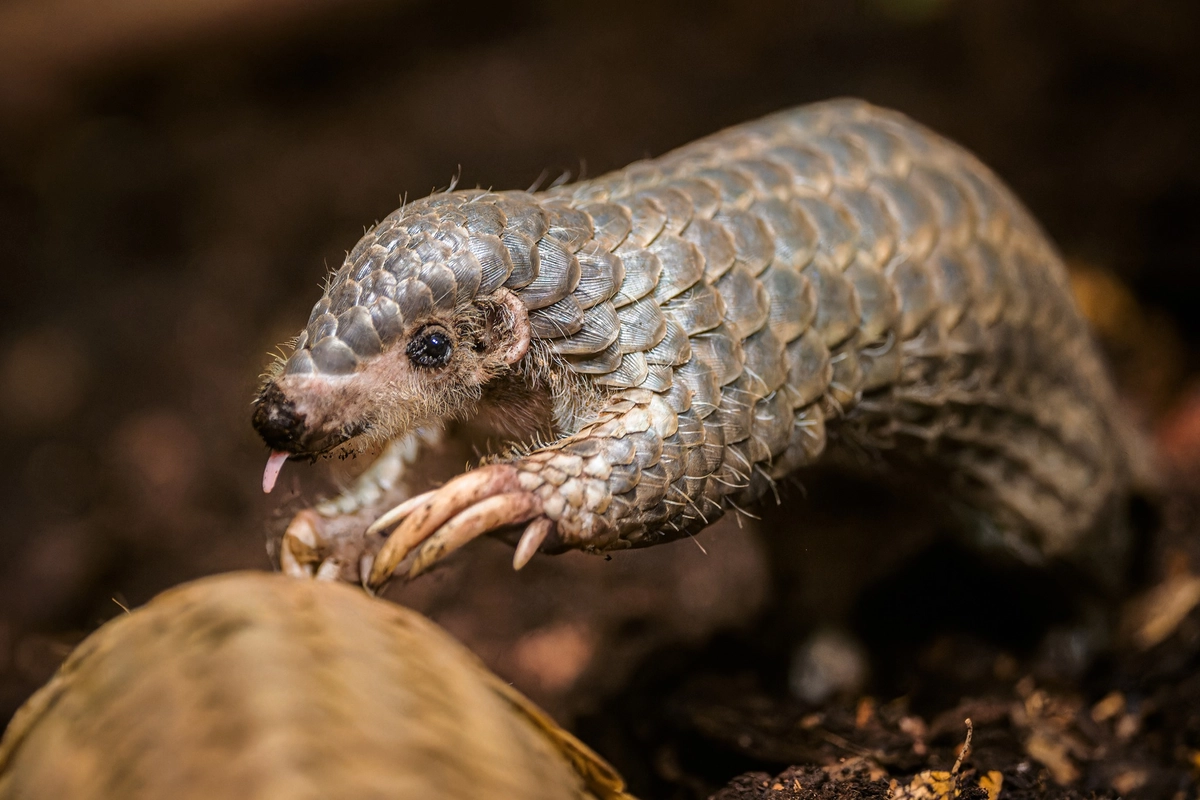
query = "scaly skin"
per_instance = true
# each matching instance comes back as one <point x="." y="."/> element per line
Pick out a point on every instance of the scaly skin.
<point x="831" y="281"/>
<point x="251" y="686"/>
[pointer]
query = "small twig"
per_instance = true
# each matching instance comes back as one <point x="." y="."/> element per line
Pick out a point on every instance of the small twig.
<point x="964" y="751"/>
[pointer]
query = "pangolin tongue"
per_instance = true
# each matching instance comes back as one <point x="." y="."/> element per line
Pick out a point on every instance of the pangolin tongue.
<point x="271" y="473"/>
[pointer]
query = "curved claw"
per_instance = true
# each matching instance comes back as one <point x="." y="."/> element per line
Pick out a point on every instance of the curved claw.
<point x="531" y="540"/>
<point x="457" y="498"/>
<point x="299" y="554"/>
<point x="399" y="512"/>
<point x="324" y="548"/>
<point x="487" y="515"/>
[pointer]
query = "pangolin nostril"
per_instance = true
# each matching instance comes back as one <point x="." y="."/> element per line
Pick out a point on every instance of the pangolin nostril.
<point x="277" y="421"/>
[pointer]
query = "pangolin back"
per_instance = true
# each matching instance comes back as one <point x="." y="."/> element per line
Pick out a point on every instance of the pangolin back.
<point x="253" y="686"/>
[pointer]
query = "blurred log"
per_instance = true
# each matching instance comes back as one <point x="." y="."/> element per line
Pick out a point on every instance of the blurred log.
<point x="252" y="685"/>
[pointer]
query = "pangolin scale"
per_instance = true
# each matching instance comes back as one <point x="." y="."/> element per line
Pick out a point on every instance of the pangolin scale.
<point x="833" y="280"/>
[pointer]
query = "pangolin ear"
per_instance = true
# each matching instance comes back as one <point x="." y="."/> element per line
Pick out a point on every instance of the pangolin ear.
<point x="508" y="331"/>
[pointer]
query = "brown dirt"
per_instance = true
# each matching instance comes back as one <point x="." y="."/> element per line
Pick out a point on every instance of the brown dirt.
<point x="171" y="189"/>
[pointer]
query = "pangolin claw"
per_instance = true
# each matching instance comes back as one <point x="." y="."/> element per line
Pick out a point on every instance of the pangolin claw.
<point x="495" y="512"/>
<point x="299" y="552"/>
<point x="531" y="540"/>
<point x="325" y="548"/>
<point x="398" y="513"/>
<point x="445" y="519"/>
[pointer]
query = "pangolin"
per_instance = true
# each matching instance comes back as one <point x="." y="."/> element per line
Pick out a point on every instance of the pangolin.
<point x="829" y="282"/>
<point x="251" y="685"/>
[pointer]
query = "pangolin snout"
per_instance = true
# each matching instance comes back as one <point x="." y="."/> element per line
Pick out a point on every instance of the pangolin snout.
<point x="278" y="422"/>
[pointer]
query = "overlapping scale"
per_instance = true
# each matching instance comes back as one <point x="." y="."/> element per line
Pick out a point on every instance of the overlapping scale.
<point x="558" y="275"/>
<point x="599" y="328"/>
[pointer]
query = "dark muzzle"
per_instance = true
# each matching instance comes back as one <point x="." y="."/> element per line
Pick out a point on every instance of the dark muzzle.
<point x="277" y="421"/>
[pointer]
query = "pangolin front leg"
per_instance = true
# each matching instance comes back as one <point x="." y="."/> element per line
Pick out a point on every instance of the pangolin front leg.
<point x="563" y="494"/>
<point x="831" y="281"/>
<point x="328" y="540"/>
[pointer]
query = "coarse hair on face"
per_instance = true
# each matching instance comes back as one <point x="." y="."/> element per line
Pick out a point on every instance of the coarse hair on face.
<point x="434" y="371"/>
<point x="539" y="400"/>
<point x="399" y="394"/>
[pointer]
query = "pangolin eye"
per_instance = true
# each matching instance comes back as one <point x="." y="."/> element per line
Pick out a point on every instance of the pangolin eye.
<point x="431" y="347"/>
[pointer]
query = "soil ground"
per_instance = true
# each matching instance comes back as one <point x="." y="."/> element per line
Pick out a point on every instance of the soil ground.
<point x="175" y="179"/>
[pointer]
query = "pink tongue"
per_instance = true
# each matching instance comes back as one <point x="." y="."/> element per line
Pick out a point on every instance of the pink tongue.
<point x="271" y="473"/>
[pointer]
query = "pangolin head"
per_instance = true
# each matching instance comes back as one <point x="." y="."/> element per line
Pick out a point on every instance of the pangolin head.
<point x="410" y="328"/>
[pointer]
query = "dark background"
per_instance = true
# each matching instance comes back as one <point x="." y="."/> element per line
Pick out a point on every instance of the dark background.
<point x="176" y="177"/>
